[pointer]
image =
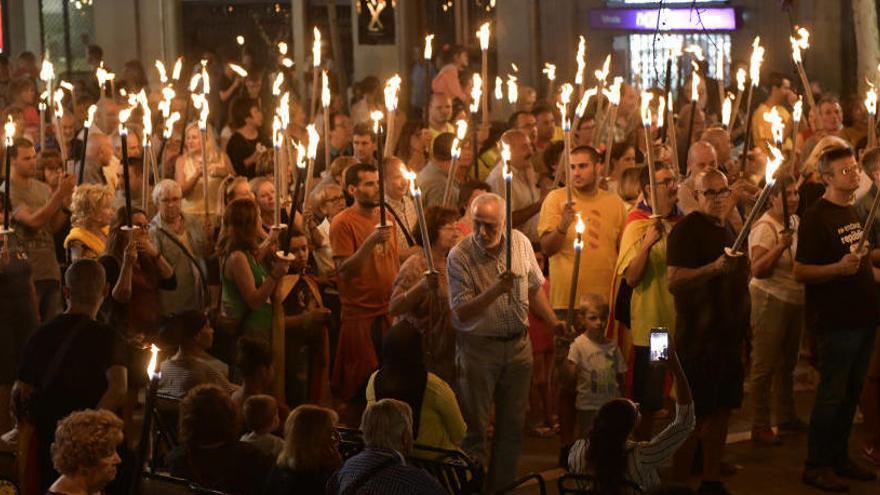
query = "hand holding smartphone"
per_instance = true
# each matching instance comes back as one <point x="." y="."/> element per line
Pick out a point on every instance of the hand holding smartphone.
<point x="659" y="344"/>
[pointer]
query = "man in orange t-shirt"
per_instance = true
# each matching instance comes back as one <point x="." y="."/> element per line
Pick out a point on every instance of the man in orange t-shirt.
<point x="366" y="262"/>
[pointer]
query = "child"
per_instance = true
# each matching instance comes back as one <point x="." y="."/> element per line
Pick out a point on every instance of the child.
<point x="595" y="364"/>
<point x="261" y="419"/>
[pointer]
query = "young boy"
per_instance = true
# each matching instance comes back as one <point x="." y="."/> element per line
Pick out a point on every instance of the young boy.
<point x="261" y="419"/>
<point x="595" y="364"/>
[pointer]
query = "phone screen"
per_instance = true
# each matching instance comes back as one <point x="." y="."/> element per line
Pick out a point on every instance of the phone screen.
<point x="659" y="344"/>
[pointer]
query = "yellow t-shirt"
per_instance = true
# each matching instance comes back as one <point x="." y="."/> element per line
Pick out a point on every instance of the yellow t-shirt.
<point x="605" y="216"/>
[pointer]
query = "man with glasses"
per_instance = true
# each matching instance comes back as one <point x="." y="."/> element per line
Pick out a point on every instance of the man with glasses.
<point x="605" y="215"/>
<point x="641" y="273"/>
<point x="712" y="311"/>
<point x="490" y="308"/>
<point x="842" y="314"/>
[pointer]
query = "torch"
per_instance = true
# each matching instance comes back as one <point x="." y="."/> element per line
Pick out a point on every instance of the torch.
<point x="564" y="96"/>
<point x="312" y="153"/>
<point x="871" y="107"/>
<point x="726" y="108"/>
<point x="376" y="116"/>
<point x="82" y="158"/>
<point x="239" y="40"/>
<point x="755" y="78"/>
<point x="316" y="67"/>
<point x="9" y="137"/>
<point x="550" y="71"/>
<point x="301" y="170"/>
<point x="392" y="86"/>
<point x="695" y="100"/>
<point x="123" y="139"/>
<point x="428" y="55"/>
<point x="476" y="95"/>
<point x="719" y="71"/>
<point x="602" y="77"/>
<point x="203" y="134"/>
<point x="796" y="113"/>
<point x="483" y="34"/>
<point x="575" y="274"/>
<point x="41" y="106"/>
<point x="461" y="128"/>
<point x="773" y="164"/>
<point x="802" y="42"/>
<point x="147" y="426"/>
<point x="148" y="149"/>
<point x="508" y="212"/>
<point x="70" y="89"/>
<point x="740" y="88"/>
<point x="59" y="114"/>
<point x="613" y="96"/>
<point x="673" y="137"/>
<point x="581" y="60"/>
<point x="649" y="148"/>
<point x="499" y="89"/>
<point x="416" y="194"/>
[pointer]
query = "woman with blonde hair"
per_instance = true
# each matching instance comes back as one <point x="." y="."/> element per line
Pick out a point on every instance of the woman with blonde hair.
<point x="92" y="213"/>
<point x="310" y="454"/>
<point x="188" y="173"/>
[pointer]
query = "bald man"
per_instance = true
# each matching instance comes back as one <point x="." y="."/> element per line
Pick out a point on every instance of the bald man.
<point x="526" y="197"/>
<point x="699" y="157"/>
<point x="99" y="154"/>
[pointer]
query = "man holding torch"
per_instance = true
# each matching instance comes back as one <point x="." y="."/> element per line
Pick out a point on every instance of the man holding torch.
<point x="710" y="290"/>
<point x="605" y="216"/>
<point x="842" y="313"/>
<point x="490" y="307"/>
<point x="778" y="95"/>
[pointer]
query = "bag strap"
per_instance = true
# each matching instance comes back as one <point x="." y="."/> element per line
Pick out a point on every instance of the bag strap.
<point x="356" y="485"/>
<point x="409" y="240"/>
<point x="55" y="365"/>
<point x="173" y="238"/>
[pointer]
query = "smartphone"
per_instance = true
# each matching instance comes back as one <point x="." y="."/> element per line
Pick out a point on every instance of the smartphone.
<point x="659" y="344"/>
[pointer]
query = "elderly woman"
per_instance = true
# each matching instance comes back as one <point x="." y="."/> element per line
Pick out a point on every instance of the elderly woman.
<point x="182" y="241"/>
<point x="210" y="453"/>
<point x="92" y="213"/>
<point x="423" y="300"/>
<point x="246" y="281"/>
<point x="325" y="201"/>
<point x="84" y="452"/>
<point x="188" y="173"/>
<point x="310" y="455"/>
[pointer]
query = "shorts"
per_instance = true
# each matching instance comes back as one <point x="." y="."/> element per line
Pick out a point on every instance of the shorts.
<point x="716" y="381"/>
<point x="648" y="380"/>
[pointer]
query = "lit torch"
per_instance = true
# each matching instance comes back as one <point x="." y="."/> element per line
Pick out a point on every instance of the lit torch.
<point x="564" y="97"/>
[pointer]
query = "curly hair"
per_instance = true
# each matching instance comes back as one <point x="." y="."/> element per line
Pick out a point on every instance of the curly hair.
<point x="308" y="439"/>
<point x="207" y="416"/>
<point x="87" y="200"/>
<point x="84" y="438"/>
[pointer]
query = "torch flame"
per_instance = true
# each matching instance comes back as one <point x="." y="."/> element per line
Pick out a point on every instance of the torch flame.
<point x="178" y="65"/>
<point x="455" y="151"/>
<point x="483" y="34"/>
<point x="695" y="84"/>
<point x="755" y="62"/>
<point x="238" y="70"/>
<point x="147" y="115"/>
<point x="613" y="92"/>
<point x="392" y="87"/>
<point x="696" y="51"/>
<point x="410" y="176"/>
<point x="376" y="116"/>
<point x="512" y="89"/>
<point x="314" y="137"/>
<point x="276" y="131"/>
<point x="276" y="84"/>
<point x="647" y="96"/>
<point x="581" y="60"/>
<point x="58" y="98"/>
<point x="316" y="48"/>
<point x="726" y="110"/>
<point x="797" y="109"/>
<point x="773" y="164"/>
<point x="300" y="156"/>
<point x="461" y="128"/>
<point x="194" y="82"/>
<point x="585" y="100"/>
<point x="499" y="88"/>
<point x="564" y="97"/>
<point x="429" y="47"/>
<point x="602" y="75"/>
<point x="282" y="48"/>
<point x="505" y="158"/>
<point x="154" y="361"/>
<point x="206" y="83"/>
<point x="91" y="116"/>
<point x="661" y="112"/>
<point x="325" y="90"/>
<point x="287" y="62"/>
<point x="777" y="127"/>
<point x="169" y="125"/>
<point x="240" y="40"/>
<point x="550" y="70"/>
<point x="719" y="62"/>
<point x="476" y="93"/>
<point x="741" y="79"/>
<point x="580" y="226"/>
<point x="871" y="101"/>
<point x="802" y="42"/>
<point x="9" y="130"/>
<point x="283" y="110"/>
<point x="163" y="76"/>
<point x="124" y="114"/>
<point x="47" y="71"/>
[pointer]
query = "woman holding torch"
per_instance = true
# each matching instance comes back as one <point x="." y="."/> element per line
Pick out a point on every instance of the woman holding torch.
<point x="188" y="173"/>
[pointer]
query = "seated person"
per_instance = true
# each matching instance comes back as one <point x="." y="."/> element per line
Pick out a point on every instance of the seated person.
<point x="310" y="455"/>
<point x="611" y="457"/>
<point x="84" y="452"/>
<point x="380" y="467"/>
<point x="437" y="420"/>
<point x="260" y="420"/>
<point x="191" y="332"/>
<point x="209" y="452"/>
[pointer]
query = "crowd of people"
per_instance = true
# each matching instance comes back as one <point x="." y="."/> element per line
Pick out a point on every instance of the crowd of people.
<point x="464" y="333"/>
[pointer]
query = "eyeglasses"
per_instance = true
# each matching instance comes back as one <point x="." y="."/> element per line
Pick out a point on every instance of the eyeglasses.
<point x="335" y="199"/>
<point x="713" y="194"/>
<point x="851" y="170"/>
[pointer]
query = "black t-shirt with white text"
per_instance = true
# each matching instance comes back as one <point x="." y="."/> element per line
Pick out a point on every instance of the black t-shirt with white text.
<point x="844" y="302"/>
<point x="711" y="318"/>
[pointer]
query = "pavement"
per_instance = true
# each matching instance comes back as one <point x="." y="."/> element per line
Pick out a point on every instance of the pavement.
<point x="760" y="470"/>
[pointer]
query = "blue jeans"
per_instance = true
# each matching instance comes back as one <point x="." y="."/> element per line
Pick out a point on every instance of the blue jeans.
<point x="843" y="362"/>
